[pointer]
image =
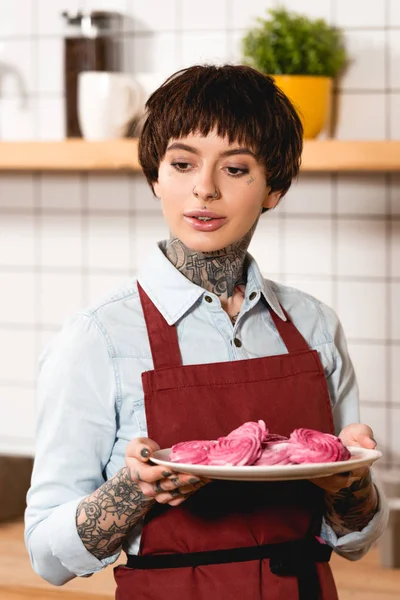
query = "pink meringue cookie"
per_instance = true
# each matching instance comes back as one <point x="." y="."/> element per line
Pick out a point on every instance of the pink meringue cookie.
<point x="251" y="428"/>
<point x="194" y="452"/>
<point x="235" y="450"/>
<point x="275" y="454"/>
<point x="310" y="446"/>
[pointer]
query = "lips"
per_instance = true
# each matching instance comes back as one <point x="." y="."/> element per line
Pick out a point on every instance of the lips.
<point x="204" y="220"/>
<point x="203" y="213"/>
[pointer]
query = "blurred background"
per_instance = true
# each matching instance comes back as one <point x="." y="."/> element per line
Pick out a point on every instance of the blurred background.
<point x="68" y="237"/>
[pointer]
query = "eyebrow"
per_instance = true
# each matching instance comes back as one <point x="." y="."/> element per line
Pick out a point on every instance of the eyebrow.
<point x="193" y="150"/>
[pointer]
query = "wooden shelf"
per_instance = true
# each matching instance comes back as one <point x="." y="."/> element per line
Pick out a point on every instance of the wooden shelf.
<point x="340" y="155"/>
<point x="69" y="155"/>
<point x="121" y="155"/>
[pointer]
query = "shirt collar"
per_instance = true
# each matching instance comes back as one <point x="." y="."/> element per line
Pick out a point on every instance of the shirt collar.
<point x="173" y="294"/>
<point x="257" y="283"/>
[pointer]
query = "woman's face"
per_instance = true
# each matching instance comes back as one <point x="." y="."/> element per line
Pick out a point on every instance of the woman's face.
<point x="192" y="170"/>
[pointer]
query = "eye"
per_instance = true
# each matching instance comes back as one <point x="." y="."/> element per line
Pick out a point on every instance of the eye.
<point x="182" y="167"/>
<point x="237" y="171"/>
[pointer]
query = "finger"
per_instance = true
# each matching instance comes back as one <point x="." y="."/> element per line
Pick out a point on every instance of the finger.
<point x="141" y="448"/>
<point x="143" y="472"/>
<point x="185" y="491"/>
<point x="368" y="442"/>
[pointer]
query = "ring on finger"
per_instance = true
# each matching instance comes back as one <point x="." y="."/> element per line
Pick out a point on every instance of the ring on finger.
<point x="157" y="486"/>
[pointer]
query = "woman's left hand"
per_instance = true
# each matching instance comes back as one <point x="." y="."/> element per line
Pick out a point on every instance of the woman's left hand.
<point x="355" y="434"/>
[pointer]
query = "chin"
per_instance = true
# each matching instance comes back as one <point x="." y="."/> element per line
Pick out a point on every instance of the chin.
<point x="204" y="242"/>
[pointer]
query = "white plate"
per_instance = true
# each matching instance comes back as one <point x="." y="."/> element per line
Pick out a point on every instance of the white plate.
<point x="361" y="457"/>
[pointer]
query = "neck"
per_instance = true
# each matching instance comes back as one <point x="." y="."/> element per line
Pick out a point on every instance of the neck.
<point x="217" y="272"/>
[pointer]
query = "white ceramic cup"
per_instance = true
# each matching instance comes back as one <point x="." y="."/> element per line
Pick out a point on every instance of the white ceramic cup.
<point x="106" y="103"/>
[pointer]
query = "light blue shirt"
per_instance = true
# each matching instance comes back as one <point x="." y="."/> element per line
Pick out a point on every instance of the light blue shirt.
<point x="90" y="397"/>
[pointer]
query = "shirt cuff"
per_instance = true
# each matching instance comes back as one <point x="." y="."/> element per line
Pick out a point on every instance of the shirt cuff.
<point x="67" y="546"/>
<point x="355" y="545"/>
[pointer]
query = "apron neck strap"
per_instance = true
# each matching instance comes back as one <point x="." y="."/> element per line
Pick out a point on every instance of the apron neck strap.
<point x="291" y="336"/>
<point x="163" y="338"/>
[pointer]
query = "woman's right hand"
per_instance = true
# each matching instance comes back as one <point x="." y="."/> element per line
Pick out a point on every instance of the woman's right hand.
<point x="157" y="482"/>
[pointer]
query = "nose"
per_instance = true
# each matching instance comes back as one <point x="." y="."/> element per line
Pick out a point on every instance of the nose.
<point x="205" y="189"/>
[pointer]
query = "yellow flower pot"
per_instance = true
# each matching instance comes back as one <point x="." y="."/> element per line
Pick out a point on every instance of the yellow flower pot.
<point x="311" y="96"/>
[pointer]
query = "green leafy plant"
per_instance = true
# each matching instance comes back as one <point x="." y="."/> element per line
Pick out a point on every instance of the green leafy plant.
<point x="292" y="44"/>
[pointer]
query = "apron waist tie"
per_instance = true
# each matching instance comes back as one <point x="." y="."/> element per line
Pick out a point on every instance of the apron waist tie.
<point x="296" y="558"/>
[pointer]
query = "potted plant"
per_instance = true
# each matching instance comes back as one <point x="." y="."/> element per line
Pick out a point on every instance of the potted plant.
<point x="304" y="56"/>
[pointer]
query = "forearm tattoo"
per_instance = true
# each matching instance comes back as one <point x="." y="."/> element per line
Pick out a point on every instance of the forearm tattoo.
<point x="352" y="508"/>
<point x="104" y="518"/>
<point x="218" y="272"/>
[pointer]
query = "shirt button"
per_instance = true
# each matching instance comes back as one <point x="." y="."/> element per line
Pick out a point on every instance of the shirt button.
<point x="252" y="295"/>
<point x="208" y="298"/>
<point x="237" y="342"/>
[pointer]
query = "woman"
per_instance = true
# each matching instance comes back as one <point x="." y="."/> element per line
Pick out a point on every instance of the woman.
<point x="197" y="345"/>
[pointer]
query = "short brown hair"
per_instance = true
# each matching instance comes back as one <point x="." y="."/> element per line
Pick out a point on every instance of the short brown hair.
<point x="240" y="103"/>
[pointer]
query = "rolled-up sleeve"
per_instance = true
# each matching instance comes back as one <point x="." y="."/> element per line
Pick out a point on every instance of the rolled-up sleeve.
<point x="343" y="391"/>
<point x="75" y="434"/>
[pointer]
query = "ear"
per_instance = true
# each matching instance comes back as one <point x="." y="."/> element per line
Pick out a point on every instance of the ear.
<point x="271" y="199"/>
<point x="156" y="188"/>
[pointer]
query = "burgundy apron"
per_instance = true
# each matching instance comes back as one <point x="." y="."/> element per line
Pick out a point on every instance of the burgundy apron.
<point x="232" y="540"/>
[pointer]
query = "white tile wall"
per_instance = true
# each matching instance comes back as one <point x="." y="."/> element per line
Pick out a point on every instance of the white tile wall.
<point x="17" y="429"/>
<point x="60" y="243"/>
<point x="394" y="13"/>
<point x="154" y="15"/>
<point x="361" y="117"/>
<point x="18" y="67"/>
<point x="50" y="55"/>
<point x="103" y="187"/>
<point x="49" y="21"/>
<point x="316" y="10"/>
<point x="17" y="119"/>
<point x="361" y="194"/>
<point x="362" y="309"/>
<point x="203" y="47"/>
<point x="370" y="364"/>
<point x="50" y="121"/>
<point x="17" y="240"/>
<point x="394" y="108"/>
<point x="377" y="417"/>
<point x="16" y="18"/>
<point x="16" y="192"/>
<point x="394" y="416"/>
<point x="156" y="52"/>
<point x="244" y="14"/>
<point x="311" y="194"/>
<point x="266" y="245"/>
<point x="17" y="298"/>
<point x="61" y="295"/>
<point x="299" y="256"/>
<point x="361" y="248"/>
<point x="358" y="13"/>
<point x="65" y="240"/>
<point x="394" y="58"/>
<point x="394" y="382"/>
<point x="395" y="313"/>
<point x="367" y="66"/>
<point x="207" y="15"/>
<point x="60" y="192"/>
<point x="323" y="289"/>
<point x="108" y="240"/>
<point x="394" y="264"/>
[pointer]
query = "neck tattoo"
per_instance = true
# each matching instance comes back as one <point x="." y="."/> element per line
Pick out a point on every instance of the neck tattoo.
<point x="218" y="272"/>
